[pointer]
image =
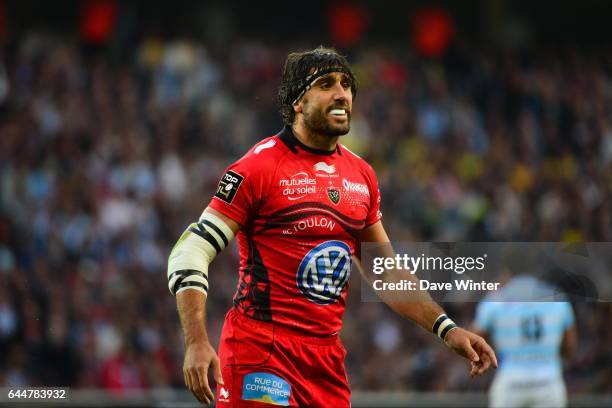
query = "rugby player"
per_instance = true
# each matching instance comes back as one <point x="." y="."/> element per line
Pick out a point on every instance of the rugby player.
<point x="531" y="337"/>
<point x="300" y="205"/>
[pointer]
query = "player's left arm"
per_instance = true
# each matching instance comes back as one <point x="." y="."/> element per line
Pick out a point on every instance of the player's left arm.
<point x="421" y="308"/>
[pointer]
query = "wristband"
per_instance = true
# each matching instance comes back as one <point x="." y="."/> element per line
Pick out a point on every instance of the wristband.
<point x="443" y="325"/>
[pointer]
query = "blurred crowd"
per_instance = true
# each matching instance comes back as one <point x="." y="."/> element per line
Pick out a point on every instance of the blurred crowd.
<point x="102" y="165"/>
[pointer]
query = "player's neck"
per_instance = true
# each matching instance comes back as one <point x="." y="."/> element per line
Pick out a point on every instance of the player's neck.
<point x="313" y="139"/>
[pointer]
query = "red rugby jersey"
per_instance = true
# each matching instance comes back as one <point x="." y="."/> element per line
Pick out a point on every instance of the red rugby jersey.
<point x="300" y="209"/>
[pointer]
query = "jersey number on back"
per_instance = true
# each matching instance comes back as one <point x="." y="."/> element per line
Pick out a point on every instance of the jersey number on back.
<point x="532" y="328"/>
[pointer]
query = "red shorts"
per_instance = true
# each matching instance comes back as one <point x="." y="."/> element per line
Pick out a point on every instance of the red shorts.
<point x="264" y="365"/>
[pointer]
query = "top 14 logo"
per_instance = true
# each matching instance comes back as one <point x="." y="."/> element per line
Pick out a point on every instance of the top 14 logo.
<point x="324" y="272"/>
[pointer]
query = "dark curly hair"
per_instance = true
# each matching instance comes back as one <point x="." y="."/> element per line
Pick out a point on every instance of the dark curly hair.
<point x="302" y="69"/>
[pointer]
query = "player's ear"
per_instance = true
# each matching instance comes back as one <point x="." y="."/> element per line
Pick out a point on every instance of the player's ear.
<point x="297" y="107"/>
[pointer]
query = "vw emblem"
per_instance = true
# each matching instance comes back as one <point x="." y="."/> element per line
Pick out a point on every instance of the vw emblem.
<point x="324" y="272"/>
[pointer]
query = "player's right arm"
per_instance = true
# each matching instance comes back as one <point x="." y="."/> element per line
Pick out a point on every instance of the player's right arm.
<point x="188" y="281"/>
<point x="569" y="342"/>
<point x="570" y="334"/>
<point x="242" y="188"/>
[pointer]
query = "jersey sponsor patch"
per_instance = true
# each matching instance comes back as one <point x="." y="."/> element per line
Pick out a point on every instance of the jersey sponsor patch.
<point x="266" y="387"/>
<point x="298" y="186"/>
<point x="228" y="186"/>
<point x="324" y="272"/>
<point x="355" y="187"/>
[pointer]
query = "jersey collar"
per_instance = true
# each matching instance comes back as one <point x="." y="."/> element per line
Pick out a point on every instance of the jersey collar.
<point x="287" y="136"/>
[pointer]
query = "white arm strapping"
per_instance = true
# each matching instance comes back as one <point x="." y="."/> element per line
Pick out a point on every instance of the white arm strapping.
<point x="194" y="251"/>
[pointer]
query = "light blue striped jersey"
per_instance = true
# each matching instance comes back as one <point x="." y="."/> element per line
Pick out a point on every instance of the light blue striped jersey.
<point x="526" y="335"/>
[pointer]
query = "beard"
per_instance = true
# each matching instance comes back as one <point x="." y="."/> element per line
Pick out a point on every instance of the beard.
<point x="319" y="121"/>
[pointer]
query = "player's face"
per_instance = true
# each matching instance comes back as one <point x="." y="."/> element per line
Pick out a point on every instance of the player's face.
<point x="327" y="105"/>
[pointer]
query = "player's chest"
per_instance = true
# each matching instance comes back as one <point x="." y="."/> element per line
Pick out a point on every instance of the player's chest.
<point x="318" y="196"/>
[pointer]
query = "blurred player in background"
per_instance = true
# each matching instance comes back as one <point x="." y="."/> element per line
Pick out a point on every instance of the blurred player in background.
<point x="530" y="339"/>
<point x="300" y="204"/>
